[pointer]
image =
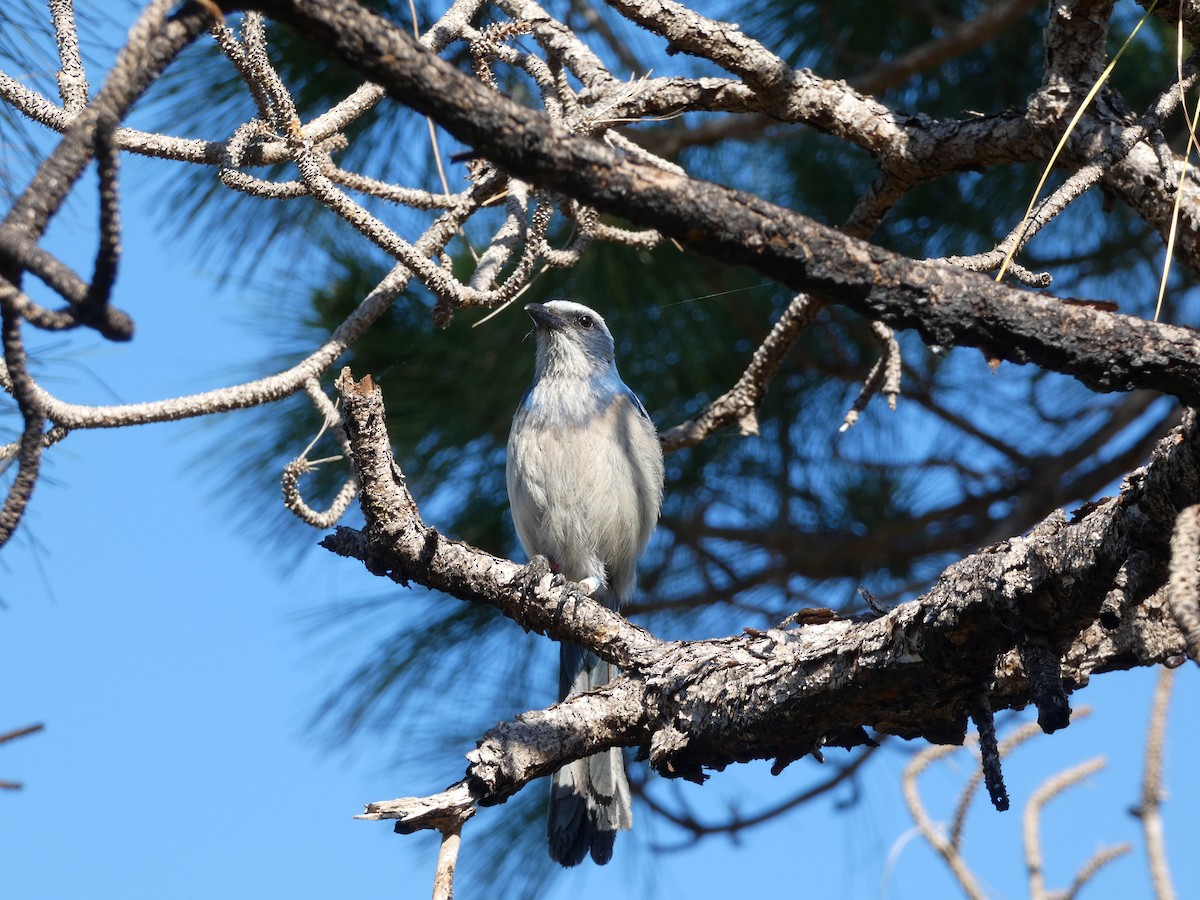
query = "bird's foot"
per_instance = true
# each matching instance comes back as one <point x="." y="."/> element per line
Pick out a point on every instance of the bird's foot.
<point x="590" y="584"/>
<point x="537" y="569"/>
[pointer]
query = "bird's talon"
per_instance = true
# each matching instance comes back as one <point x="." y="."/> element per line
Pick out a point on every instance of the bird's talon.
<point x="537" y="569"/>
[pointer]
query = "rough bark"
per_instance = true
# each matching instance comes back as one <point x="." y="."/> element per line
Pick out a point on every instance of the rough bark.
<point x="945" y="305"/>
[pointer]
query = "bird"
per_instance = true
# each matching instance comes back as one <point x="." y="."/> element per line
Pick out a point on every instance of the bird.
<point x="584" y="471"/>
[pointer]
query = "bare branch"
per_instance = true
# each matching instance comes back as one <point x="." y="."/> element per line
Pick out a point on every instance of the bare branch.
<point x="946" y="306"/>
<point x="801" y="688"/>
<point x="294" y="501"/>
<point x="1116" y="149"/>
<point x="735" y="824"/>
<point x="443" y="879"/>
<point x="12" y="736"/>
<point x="29" y="451"/>
<point x="1010" y="743"/>
<point x="443" y="811"/>
<point x="1089" y="869"/>
<point x="20" y="732"/>
<point x="1152" y="789"/>
<point x="72" y="79"/>
<point x="946" y="849"/>
<point x="884" y="376"/>
<point x="1046" y="792"/>
<point x="49" y="439"/>
<point x="153" y="42"/>
<point x="512" y="754"/>
<point x="740" y="401"/>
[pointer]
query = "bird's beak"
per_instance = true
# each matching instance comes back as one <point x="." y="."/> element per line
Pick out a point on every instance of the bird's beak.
<point x="544" y="317"/>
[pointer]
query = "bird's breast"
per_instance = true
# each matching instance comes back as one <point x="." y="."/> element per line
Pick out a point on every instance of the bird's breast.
<point x="585" y="489"/>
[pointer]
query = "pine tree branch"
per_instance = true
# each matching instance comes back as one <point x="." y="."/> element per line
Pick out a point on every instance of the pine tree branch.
<point x="946" y="306"/>
<point x="780" y="694"/>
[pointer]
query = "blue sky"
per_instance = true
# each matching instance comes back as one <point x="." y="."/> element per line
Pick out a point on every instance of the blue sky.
<point x="162" y="645"/>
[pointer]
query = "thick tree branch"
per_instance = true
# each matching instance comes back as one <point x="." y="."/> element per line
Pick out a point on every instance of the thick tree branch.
<point x="946" y="306"/>
<point x="920" y="670"/>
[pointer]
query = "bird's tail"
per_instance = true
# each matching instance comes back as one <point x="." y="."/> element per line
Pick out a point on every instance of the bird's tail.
<point x="589" y="798"/>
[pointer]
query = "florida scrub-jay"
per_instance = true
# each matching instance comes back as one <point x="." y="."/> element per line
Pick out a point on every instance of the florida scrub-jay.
<point x="585" y="480"/>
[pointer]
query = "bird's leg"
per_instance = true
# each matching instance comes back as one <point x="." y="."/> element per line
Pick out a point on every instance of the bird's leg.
<point x="590" y="584"/>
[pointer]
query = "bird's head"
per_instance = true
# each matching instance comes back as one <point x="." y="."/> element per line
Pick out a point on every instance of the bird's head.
<point x="572" y="340"/>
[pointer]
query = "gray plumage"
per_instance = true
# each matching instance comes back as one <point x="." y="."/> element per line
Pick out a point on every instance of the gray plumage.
<point x="585" y="477"/>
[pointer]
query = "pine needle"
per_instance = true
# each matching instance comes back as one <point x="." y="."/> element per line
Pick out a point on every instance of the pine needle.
<point x="1087" y="101"/>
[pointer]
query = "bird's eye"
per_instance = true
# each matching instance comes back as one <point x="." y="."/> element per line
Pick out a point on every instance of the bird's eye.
<point x="586" y="321"/>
